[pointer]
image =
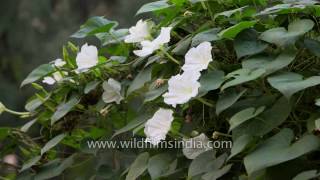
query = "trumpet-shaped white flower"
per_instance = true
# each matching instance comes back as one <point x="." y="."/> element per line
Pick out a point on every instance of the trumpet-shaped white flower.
<point x="182" y="88"/>
<point x="112" y="92"/>
<point x="138" y="33"/>
<point x="148" y="47"/>
<point x="193" y="147"/>
<point x="198" y="58"/>
<point x="158" y="126"/>
<point x="59" y="63"/>
<point x="87" y="57"/>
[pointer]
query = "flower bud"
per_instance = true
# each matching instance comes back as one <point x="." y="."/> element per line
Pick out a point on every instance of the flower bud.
<point x="2" y="108"/>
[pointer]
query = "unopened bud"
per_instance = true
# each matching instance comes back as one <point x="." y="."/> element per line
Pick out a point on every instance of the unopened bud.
<point x="159" y="82"/>
<point x="2" y="108"/>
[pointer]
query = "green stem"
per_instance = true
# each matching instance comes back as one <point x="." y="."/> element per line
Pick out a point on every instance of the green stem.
<point x="203" y="101"/>
<point x="169" y="56"/>
<point x="17" y="113"/>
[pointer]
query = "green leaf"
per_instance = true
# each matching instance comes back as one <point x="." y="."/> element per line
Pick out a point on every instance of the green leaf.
<point x="33" y="104"/>
<point x="305" y="175"/>
<point x="247" y="43"/>
<point x="153" y="94"/>
<point x="240" y="144"/>
<point x="30" y="163"/>
<point x="289" y="83"/>
<point x="278" y="150"/>
<point x="229" y="13"/>
<point x="208" y="35"/>
<point x="113" y="36"/>
<point x="211" y="81"/>
<point x="94" y="26"/>
<point x="27" y="126"/>
<point x="139" y="165"/>
<point x="241" y="76"/>
<point x="215" y="174"/>
<point x="52" y="143"/>
<point x="243" y="116"/>
<point x="227" y="99"/>
<point x="199" y="164"/>
<point x="159" y="165"/>
<point x="91" y="86"/>
<point x="139" y="81"/>
<point x="4" y="132"/>
<point x="313" y="46"/>
<point x="233" y="31"/>
<point x="182" y="46"/>
<point x="269" y="64"/>
<point x="265" y="122"/>
<point x="38" y="73"/>
<point x="133" y="124"/>
<point x="53" y="170"/>
<point x="154" y="6"/>
<point x="64" y="108"/>
<point x="282" y="37"/>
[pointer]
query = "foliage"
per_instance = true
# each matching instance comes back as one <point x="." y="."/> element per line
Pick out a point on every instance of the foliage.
<point x="260" y="90"/>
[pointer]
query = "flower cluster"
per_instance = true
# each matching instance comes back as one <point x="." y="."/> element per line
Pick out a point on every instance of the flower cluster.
<point x="182" y="87"/>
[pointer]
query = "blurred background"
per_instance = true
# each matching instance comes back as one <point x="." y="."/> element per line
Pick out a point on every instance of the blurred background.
<point x="32" y="32"/>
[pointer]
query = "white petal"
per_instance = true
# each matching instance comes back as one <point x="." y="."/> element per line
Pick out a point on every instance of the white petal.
<point x="148" y="47"/>
<point x="164" y="36"/>
<point x="138" y="33"/>
<point x="59" y="62"/>
<point x="182" y="88"/>
<point x="198" y="59"/>
<point x="193" y="147"/>
<point x="112" y="92"/>
<point x="158" y="126"/>
<point x="87" y="57"/>
<point x="48" y="80"/>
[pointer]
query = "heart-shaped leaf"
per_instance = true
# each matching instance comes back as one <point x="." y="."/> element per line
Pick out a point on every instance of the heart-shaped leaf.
<point x="243" y="116"/>
<point x="289" y="83"/>
<point x="270" y="64"/>
<point x="247" y="43"/>
<point x="279" y="149"/>
<point x="154" y="6"/>
<point x="282" y="37"/>
<point x="139" y="165"/>
<point x="241" y="76"/>
<point x="234" y="30"/>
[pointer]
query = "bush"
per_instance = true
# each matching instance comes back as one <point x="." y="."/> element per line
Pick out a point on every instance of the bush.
<point x="202" y="72"/>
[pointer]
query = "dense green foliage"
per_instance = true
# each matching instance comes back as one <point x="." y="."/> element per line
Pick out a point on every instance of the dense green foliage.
<point x="260" y="90"/>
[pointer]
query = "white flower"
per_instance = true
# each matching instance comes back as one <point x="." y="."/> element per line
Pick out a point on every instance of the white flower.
<point x="112" y="92"/>
<point x="148" y="47"/>
<point x="48" y="80"/>
<point x="138" y="33"/>
<point x="182" y="88"/>
<point x="198" y="58"/>
<point x="57" y="76"/>
<point x="87" y="57"/>
<point x="59" y="63"/>
<point x="193" y="147"/>
<point x="158" y="126"/>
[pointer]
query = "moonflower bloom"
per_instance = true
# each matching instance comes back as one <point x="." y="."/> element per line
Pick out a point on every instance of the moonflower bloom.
<point x="87" y="58"/>
<point x="148" y="47"/>
<point x="138" y="33"/>
<point x="158" y="126"/>
<point x="182" y="88"/>
<point x="193" y="147"/>
<point x="112" y="91"/>
<point x="198" y="58"/>
<point x="59" y="63"/>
